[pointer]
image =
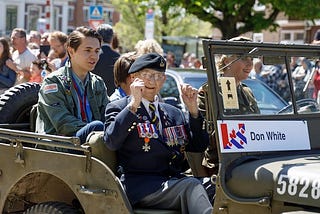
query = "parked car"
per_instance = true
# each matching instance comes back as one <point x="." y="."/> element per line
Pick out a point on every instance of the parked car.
<point x="269" y="101"/>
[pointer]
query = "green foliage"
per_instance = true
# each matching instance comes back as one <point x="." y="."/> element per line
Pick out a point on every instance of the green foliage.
<point x="227" y="14"/>
<point x="130" y="29"/>
<point x="306" y="9"/>
<point x="182" y="17"/>
<point x="170" y="20"/>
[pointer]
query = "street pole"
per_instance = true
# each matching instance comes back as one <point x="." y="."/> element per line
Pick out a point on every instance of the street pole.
<point x="52" y="15"/>
<point x="48" y="15"/>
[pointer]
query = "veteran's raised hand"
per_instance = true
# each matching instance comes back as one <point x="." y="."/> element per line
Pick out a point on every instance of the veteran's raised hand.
<point x="189" y="96"/>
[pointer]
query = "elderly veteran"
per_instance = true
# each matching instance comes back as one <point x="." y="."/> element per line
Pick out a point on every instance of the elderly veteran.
<point x="72" y="100"/>
<point x="150" y="138"/>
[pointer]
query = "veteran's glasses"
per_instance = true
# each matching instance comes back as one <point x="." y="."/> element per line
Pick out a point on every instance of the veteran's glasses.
<point x="151" y="76"/>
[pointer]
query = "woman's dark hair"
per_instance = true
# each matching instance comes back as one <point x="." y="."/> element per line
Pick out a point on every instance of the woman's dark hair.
<point x="6" y="51"/>
<point x="41" y="64"/>
<point x="121" y="67"/>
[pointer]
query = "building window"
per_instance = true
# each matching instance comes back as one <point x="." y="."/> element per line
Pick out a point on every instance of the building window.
<point x="90" y="2"/>
<point x="11" y="18"/>
<point x="298" y="36"/>
<point x="108" y="15"/>
<point x="56" y="23"/>
<point x="292" y="36"/>
<point x="33" y="16"/>
<point x="100" y="2"/>
<point x="70" y="14"/>
<point x="287" y="36"/>
<point x="85" y="14"/>
<point x="96" y="2"/>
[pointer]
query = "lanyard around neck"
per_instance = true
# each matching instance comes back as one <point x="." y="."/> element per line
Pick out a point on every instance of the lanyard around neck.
<point x="82" y="99"/>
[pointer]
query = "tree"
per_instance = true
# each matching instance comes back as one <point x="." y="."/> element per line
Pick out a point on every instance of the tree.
<point x="170" y="20"/>
<point x="236" y="17"/>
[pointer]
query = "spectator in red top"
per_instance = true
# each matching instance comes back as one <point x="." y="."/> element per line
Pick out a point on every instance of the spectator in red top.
<point x="316" y="82"/>
<point x="36" y="68"/>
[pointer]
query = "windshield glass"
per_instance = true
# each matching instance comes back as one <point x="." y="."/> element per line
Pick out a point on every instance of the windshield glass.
<point x="256" y="81"/>
<point x="196" y="82"/>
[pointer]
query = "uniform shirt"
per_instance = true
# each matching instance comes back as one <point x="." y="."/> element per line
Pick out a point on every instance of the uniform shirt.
<point x="117" y="94"/>
<point x="246" y="100"/>
<point x="82" y="96"/>
<point x="156" y="103"/>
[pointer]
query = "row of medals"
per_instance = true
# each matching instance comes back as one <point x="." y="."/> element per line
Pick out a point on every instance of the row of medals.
<point x="175" y="135"/>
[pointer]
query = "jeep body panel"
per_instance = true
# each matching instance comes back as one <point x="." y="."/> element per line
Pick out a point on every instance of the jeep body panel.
<point x="38" y="175"/>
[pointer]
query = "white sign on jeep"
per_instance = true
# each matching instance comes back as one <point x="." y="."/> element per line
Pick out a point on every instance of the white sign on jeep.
<point x="252" y="136"/>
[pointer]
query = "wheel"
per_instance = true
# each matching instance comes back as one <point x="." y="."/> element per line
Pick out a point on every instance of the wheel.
<point x="303" y="106"/>
<point x="51" y="208"/>
<point x="16" y="103"/>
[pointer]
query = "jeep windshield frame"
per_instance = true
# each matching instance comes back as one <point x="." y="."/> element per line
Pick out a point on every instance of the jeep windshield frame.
<point x="293" y="119"/>
<point x="277" y="52"/>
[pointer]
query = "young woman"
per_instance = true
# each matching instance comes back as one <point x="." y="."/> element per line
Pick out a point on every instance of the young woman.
<point x="7" y="66"/>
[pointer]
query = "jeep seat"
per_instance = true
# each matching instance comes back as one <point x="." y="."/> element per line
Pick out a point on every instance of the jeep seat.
<point x="101" y="151"/>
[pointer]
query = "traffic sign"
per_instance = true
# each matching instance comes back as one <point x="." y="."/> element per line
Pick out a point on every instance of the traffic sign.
<point x="95" y="13"/>
<point x="149" y="26"/>
<point x="95" y="23"/>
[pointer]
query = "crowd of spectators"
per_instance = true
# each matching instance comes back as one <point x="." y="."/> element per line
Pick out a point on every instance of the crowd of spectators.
<point x="46" y="52"/>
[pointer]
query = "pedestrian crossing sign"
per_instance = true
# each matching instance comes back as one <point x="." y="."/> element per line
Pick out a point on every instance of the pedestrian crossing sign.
<point x="95" y="13"/>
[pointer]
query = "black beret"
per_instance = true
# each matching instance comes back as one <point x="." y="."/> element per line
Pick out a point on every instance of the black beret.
<point x="152" y="61"/>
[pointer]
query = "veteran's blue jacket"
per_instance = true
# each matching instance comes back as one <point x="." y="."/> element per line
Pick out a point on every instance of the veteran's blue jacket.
<point x="142" y="172"/>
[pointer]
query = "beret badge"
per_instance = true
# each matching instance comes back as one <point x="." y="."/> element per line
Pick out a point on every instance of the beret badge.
<point x="162" y="64"/>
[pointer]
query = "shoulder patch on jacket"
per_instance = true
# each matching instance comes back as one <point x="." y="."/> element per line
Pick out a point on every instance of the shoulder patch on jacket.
<point x="51" y="88"/>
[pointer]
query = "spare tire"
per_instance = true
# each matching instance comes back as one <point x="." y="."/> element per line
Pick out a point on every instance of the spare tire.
<point x="16" y="103"/>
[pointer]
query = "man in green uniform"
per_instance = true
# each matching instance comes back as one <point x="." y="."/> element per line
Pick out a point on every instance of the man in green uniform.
<point x="72" y="100"/>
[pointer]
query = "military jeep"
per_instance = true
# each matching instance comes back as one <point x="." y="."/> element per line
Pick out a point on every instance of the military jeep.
<point x="268" y="162"/>
<point x="42" y="173"/>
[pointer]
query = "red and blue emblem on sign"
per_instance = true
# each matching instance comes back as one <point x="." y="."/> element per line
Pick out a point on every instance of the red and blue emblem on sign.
<point x="234" y="138"/>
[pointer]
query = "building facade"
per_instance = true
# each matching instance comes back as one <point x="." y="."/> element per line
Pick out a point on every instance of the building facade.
<point x="50" y="15"/>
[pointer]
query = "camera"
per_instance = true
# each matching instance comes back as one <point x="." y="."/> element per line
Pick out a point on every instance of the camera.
<point x="44" y="64"/>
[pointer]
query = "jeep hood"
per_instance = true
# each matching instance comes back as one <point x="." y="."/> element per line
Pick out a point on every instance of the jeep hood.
<point x="293" y="179"/>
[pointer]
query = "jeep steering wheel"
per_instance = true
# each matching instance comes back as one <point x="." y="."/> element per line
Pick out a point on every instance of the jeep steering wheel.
<point x="303" y="105"/>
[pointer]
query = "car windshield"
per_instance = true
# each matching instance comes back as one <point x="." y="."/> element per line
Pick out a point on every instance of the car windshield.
<point x="196" y="82"/>
<point x="269" y="102"/>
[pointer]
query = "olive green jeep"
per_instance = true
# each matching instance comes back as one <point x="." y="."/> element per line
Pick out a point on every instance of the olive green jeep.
<point x="42" y="173"/>
<point x="268" y="162"/>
